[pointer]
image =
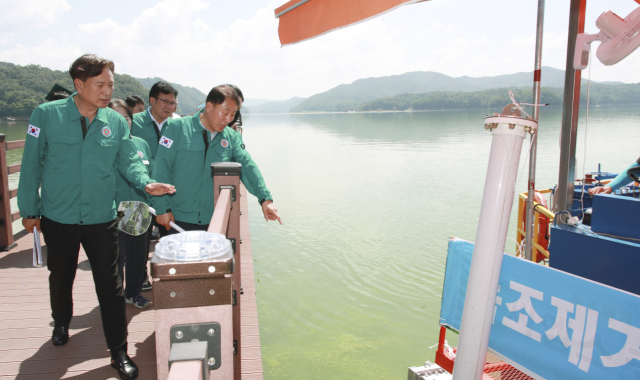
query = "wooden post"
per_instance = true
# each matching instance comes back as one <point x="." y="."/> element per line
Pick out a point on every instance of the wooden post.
<point x="188" y="370"/>
<point x="6" y="219"/>
<point x="226" y="175"/>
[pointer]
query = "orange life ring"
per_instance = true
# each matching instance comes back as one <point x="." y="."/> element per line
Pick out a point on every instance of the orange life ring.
<point x="543" y="226"/>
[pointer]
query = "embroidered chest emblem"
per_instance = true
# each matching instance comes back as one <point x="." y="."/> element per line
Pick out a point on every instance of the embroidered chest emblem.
<point x="106" y="132"/>
<point x="140" y="154"/>
<point x="224" y="143"/>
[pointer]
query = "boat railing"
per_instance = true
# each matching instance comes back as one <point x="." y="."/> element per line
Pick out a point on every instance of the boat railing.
<point x="6" y="216"/>
<point x="538" y="209"/>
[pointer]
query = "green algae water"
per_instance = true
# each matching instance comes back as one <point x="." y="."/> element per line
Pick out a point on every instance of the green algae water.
<point x="349" y="287"/>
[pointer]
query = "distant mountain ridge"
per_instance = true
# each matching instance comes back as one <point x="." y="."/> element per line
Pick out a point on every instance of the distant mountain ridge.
<point x="348" y="97"/>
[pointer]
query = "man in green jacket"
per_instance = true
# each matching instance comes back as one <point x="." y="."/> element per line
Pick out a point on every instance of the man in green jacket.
<point x="134" y="250"/>
<point x="72" y="149"/>
<point x="186" y="151"/>
<point x="150" y="124"/>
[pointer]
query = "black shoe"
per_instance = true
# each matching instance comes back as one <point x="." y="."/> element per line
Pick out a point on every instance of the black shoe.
<point x="146" y="285"/>
<point x="60" y="336"/>
<point x="127" y="369"/>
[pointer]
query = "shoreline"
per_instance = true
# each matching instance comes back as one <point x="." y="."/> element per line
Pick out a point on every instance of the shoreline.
<point x="14" y="118"/>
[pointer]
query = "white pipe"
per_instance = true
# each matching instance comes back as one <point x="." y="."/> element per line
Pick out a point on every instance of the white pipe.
<point x="497" y="200"/>
<point x="172" y="224"/>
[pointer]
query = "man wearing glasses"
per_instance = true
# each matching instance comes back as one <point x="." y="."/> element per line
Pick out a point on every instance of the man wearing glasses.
<point x="150" y="124"/>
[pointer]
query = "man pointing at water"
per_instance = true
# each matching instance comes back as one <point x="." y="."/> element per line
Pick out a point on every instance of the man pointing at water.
<point x="186" y="151"/>
<point x="72" y="149"/>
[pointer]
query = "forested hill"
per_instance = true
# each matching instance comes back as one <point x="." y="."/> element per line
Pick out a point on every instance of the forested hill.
<point x="499" y="97"/>
<point x="23" y="88"/>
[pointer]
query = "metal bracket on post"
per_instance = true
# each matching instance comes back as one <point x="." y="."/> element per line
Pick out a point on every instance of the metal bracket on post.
<point x="200" y="332"/>
<point x="233" y="191"/>
<point x="235" y="298"/>
<point x="226" y="168"/>
<point x="191" y="351"/>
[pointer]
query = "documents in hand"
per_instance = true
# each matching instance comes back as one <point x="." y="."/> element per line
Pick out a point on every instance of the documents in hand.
<point x="37" y="249"/>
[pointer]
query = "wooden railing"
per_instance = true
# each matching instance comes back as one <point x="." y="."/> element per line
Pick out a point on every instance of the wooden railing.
<point x="226" y="221"/>
<point x="6" y="216"/>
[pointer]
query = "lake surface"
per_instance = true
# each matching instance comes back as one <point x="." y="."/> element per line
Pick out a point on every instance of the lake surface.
<point x="350" y="286"/>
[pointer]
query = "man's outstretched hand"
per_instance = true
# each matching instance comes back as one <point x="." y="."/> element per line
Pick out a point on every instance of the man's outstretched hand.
<point x="270" y="212"/>
<point x="158" y="189"/>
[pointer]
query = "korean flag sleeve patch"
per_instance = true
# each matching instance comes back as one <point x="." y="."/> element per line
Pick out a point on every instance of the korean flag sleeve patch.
<point x="33" y="131"/>
<point x="166" y="142"/>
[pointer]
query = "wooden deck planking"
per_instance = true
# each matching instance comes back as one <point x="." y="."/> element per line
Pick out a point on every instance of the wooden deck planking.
<point x="250" y="341"/>
<point x="26" y="352"/>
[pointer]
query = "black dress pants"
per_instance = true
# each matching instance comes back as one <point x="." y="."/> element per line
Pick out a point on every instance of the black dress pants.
<point x="100" y="243"/>
<point x="134" y="252"/>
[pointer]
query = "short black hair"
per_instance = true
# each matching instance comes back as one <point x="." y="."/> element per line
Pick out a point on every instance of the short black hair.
<point x="237" y="90"/>
<point x="89" y="66"/>
<point x="162" y="87"/>
<point x="238" y="116"/>
<point x="218" y="94"/>
<point x="132" y="100"/>
<point x="120" y="103"/>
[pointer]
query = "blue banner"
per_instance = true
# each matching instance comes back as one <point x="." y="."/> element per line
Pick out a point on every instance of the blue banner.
<point x="554" y="324"/>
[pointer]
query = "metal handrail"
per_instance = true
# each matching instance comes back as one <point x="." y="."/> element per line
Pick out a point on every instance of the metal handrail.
<point x="537" y="209"/>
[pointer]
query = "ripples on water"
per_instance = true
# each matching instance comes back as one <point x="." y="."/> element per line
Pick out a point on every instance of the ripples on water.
<point x="350" y="286"/>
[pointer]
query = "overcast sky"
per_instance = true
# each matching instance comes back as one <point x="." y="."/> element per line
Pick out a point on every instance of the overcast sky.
<point x="204" y="43"/>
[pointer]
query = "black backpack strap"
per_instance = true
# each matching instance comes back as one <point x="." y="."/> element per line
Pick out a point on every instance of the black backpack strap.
<point x="83" y="124"/>
<point x="206" y="144"/>
<point x="157" y="129"/>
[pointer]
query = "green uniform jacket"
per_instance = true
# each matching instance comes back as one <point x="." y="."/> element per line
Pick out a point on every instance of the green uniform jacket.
<point x="124" y="190"/>
<point x="142" y="126"/>
<point x="182" y="162"/>
<point x="77" y="176"/>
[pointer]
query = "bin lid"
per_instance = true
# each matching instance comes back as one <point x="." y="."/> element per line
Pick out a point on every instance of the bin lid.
<point x="193" y="246"/>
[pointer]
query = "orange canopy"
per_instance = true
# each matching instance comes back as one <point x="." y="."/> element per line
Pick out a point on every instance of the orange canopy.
<point x="304" y="19"/>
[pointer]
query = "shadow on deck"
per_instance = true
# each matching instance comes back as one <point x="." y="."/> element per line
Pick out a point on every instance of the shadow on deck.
<point x="26" y="351"/>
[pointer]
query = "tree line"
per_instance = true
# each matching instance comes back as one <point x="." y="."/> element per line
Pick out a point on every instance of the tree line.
<point x="499" y="97"/>
<point x="23" y="88"/>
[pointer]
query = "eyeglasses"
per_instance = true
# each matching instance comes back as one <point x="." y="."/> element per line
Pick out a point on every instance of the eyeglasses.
<point x="166" y="102"/>
<point x="139" y="109"/>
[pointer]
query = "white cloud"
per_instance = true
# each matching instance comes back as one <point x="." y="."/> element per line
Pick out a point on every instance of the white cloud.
<point x="58" y="54"/>
<point x="179" y="40"/>
<point x="30" y="14"/>
<point x="6" y="38"/>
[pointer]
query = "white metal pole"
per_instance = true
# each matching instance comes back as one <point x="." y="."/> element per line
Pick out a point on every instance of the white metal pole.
<point x="533" y="153"/>
<point x="499" y="189"/>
